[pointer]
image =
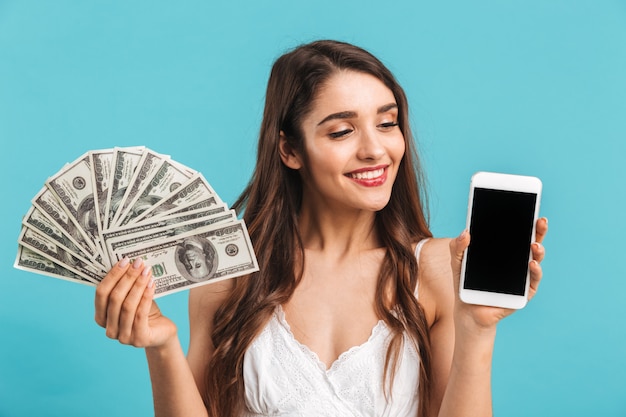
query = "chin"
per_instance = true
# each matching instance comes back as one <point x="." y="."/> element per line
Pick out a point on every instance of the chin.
<point x="377" y="205"/>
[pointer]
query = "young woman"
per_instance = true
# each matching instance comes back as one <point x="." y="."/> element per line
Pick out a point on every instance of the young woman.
<point x="354" y="311"/>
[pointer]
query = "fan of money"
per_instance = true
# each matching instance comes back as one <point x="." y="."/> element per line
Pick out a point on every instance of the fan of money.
<point x="133" y="202"/>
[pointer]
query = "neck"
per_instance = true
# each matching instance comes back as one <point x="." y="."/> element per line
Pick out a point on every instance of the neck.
<point x="338" y="232"/>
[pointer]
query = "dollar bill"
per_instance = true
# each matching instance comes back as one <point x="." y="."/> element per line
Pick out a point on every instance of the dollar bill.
<point x="35" y="220"/>
<point x="46" y="247"/>
<point x="167" y="178"/>
<point x="125" y="160"/>
<point x="164" y="222"/>
<point x="73" y="188"/>
<point x="141" y="238"/>
<point x="101" y="163"/>
<point x="210" y="202"/>
<point x="28" y="260"/>
<point x="51" y="208"/>
<point x="209" y="254"/>
<point x="148" y="164"/>
<point x="195" y="190"/>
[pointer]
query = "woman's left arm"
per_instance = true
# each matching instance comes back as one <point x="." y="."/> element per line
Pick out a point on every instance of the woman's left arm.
<point x="463" y="335"/>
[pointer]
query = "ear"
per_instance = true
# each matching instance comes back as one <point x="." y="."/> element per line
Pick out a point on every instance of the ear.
<point x="288" y="154"/>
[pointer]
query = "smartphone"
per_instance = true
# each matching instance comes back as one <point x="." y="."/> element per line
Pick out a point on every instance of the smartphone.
<point x="501" y="218"/>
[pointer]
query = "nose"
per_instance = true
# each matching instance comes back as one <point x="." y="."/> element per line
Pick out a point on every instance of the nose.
<point x="370" y="145"/>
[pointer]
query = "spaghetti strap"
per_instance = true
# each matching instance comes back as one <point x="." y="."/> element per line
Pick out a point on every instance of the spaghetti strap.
<point x="418" y="248"/>
<point x="418" y="251"/>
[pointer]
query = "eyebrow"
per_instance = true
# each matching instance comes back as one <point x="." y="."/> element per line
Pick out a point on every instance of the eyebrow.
<point x="350" y="114"/>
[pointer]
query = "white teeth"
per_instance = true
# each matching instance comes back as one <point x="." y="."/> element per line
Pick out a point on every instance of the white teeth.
<point x="368" y="175"/>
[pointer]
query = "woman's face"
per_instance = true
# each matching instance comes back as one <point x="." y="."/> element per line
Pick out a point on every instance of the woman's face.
<point x="353" y="144"/>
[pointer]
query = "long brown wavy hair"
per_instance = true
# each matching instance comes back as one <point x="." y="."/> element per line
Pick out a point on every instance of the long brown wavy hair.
<point x="271" y="202"/>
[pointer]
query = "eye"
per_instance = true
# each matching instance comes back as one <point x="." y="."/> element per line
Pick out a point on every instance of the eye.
<point x="340" y="134"/>
<point x="388" y="125"/>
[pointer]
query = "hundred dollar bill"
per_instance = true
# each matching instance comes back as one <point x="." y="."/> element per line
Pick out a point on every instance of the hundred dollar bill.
<point x="148" y="164"/>
<point x="51" y="208"/>
<point x="125" y="161"/>
<point x="74" y="189"/>
<point x="101" y="163"/>
<point x="195" y="190"/>
<point x="202" y="204"/>
<point x="206" y="255"/>
<point x="35" y="220"/>
<point x="170" y="176"/>
<point x="46" y="247"/>
<point x="28" y="260"/>
<point x="142" y="238"/>
<point x="167" y="221"/>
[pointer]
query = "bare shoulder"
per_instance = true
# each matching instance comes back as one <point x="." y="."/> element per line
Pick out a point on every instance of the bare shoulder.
<point x="436" y="288"/>
<point x="435" y="258"/>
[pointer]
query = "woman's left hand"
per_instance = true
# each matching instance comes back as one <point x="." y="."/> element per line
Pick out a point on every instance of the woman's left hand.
<point x="485" y="316"/>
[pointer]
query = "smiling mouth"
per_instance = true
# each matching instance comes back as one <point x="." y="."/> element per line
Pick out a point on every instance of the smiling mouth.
<point x="367" y="175"/>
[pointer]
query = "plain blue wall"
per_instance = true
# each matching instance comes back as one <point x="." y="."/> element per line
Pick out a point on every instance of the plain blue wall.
<point x="531" y="87"/>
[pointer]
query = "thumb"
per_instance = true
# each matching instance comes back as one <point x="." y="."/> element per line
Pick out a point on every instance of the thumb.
<point x="457" y="249"/>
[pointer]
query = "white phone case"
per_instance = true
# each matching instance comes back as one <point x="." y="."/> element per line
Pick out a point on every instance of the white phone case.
<point x="494" y="290"/>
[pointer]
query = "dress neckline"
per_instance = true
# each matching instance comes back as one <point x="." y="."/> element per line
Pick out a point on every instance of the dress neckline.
<point x="279" y="315"/>
<point x="345" y="356"/>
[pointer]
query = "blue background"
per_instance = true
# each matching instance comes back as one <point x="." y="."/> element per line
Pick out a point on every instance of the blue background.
<point x="532" y="87"/>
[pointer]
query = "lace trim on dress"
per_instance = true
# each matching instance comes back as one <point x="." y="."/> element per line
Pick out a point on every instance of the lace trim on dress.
<point x="279" y="313"/>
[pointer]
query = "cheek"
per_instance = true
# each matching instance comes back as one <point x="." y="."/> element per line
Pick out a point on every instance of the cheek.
<point x="330" y="158"/>
<point x="398" y="148"/>
<point x="322" y="170"/>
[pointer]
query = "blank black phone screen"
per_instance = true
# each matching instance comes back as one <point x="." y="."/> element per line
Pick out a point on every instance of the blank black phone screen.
<point x="501" y="232"/>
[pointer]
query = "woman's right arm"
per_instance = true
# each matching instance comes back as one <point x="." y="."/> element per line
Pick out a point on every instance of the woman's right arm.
<point x="125" y="307"/>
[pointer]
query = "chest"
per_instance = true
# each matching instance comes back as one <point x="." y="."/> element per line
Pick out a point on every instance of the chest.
<point x="333" y="309"/>
<point x="284" y="377"/>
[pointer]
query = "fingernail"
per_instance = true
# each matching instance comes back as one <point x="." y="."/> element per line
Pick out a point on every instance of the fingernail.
<point x="546" y="220"/>
<point x="137" y="264"/>
<point x="151" y="283"/>
<point x="124" y="262"/>
<point x="146" y="270"/>
<point x="461" y="236"/>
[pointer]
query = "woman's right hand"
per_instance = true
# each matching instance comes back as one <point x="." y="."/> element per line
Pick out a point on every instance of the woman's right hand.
<point x="125" y="307"/>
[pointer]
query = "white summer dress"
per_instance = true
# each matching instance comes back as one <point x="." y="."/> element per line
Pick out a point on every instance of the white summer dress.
<point x="285" y="378"/>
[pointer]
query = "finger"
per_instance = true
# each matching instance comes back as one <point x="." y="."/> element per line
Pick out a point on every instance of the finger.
<point x="539" y="251"/>
<point x="458" y="246"/>
<point x="141" y="328"/>
<point x="130" y="305"/>
<point x="118" y="295"/>
<point x="535" y="277"/>
<point x="104" y="288"/>
<point x="541" y="229"/>
<point x="457" y="249"/>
